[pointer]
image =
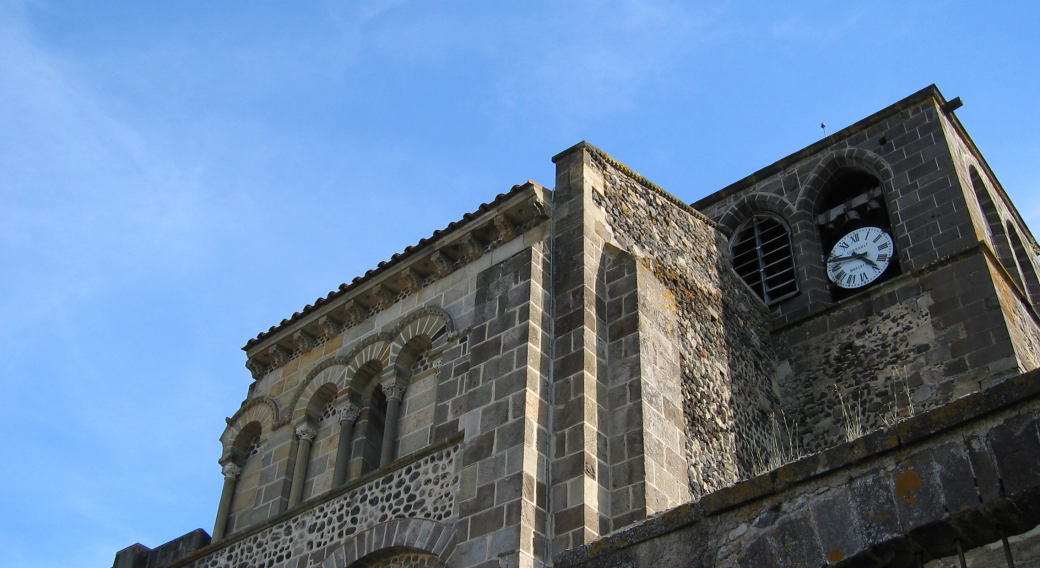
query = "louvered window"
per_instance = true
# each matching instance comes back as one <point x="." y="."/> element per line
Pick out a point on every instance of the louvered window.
<point x="763" y="257"/>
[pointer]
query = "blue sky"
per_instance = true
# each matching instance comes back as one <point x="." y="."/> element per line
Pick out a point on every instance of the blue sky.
<point x="177" y="177"/>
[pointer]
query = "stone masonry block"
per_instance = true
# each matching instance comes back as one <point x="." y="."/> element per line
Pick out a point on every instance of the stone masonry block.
<point x="875" y="507"/>
<point x="1016" y="448"/>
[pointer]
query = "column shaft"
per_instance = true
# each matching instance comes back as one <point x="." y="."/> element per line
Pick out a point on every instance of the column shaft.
<point x="231" y="473"/>
<point x="339" y="475"/>
<point x="303" y="455"/>
<point x="393" y="408"/>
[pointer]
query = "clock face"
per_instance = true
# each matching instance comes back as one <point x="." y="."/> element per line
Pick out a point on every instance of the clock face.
<point x="860" y="257"/>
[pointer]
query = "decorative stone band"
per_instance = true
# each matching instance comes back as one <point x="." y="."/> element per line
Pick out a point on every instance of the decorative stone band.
<point x="306" y="433"/>
<point x="349" y="413"/>
<point x="231" y="470"/>
<point x="394" y="390"/>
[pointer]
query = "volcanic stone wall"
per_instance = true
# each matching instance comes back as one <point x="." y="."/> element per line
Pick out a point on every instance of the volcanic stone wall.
<point x="953" y="321"/>
<point x="901" y="497"/>
<point x="725" y="356"/>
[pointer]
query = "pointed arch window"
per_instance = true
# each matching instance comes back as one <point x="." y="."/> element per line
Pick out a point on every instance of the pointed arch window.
<point x="764" y="258"/>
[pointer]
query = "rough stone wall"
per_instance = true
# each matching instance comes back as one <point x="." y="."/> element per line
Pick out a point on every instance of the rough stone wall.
<point x="909" y="346"/>
<point x="424" y="489"/>
<point x="898" y="497"/>
<point x="933" y="333"/>
<point x="726" y="359"/>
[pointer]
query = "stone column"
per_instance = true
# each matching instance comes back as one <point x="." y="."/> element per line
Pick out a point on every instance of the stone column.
<point x="231" y="472"/>
<point x="347" y="416"/>
<point x="394" y="392"/>
<point x="306" y="435"/>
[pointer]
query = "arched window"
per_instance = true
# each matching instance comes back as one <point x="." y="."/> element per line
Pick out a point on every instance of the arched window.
<point x="851" y="200"/>
<point x="415" y="429"/>
<point x="322" y="411"/>
<point x="763" y="257"/>
<point x="995" y="227"/>
<point x="247" y="455"/>
<point x="1025" y="264"/>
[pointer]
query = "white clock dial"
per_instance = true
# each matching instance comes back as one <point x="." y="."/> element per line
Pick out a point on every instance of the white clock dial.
<point x="860" y="257"/>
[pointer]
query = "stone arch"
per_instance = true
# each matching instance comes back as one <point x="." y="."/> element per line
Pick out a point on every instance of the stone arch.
<point x="750" y="204"/>
<point x="261" y="410"/>
<point x="398" y="536"/>
<point x="330" y="374"/>
<point x="835" y="161"/>
<point x="373" y="351"/>
<point x="372" y="347"/>
<point x="427" y="322"/>
<point x="762" y="253"/>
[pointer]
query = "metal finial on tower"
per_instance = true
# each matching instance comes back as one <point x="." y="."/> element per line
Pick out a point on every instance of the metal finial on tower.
<point x="823" y="125"/>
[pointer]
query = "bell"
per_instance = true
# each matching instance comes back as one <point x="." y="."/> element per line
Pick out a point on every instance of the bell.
<point x="851" y="216"/>
<point x="873" y="204"/>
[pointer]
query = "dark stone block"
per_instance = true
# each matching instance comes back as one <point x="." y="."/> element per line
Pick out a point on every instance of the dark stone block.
<point x="484" y="351"/>
<point x="837" y="528"/>
<point x="479" y="448"/>
<point x="795" y="541"/>
<point x="875" y="508"/>
<point x="1016" y="447"/>
<point x="484" y="500"/>
<point x="918" y="495"/>
<point x="759" y="553"/>
<point x="955" y="477"/>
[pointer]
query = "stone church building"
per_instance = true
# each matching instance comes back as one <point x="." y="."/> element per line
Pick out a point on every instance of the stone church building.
<point x="829" y="362"/>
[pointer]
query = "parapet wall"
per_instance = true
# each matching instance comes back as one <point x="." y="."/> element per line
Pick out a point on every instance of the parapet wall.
<point x="902" y="496"/>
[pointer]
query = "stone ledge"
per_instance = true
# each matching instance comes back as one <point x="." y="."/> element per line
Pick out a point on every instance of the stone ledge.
<point x="906" y="433"/>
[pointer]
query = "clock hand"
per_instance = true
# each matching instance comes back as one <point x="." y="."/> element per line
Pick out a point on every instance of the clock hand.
<point x="863" y="256"/>
<point x="841" y="258"/>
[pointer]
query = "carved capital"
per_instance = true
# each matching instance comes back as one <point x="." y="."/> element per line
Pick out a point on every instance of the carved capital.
<point x="504" y="229"/>
<point x="349" y="413"/>
<point x="306" y="433"/>
<point x="384" y="296"/>
<point x="306" y="340"/>
<point x="394" y="390"/>
<point x="256" y="368"/>
<point x="281" y="355"/>
<point x="414" y="280"/>
<point x="442" y="264"/>
<point x="356" y="311"/>
<point x="231" y="470"/>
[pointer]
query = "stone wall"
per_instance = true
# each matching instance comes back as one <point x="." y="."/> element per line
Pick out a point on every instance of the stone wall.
<point x="906" y="494"/>
<point x="948" y="323"/>
<point x="425" y="488"/>
<point x="721" y="333"/>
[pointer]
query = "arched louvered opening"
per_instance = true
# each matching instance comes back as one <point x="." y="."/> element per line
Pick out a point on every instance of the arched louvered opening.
<point x="764" y="259"/>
